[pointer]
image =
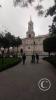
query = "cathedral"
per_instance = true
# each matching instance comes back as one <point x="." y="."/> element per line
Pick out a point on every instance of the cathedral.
<point x="32" y="44"/>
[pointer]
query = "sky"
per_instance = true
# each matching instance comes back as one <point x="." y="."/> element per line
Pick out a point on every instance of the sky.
<point x="15" y="19"/>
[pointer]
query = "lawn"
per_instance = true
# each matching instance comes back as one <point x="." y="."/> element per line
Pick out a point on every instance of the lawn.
<point x="6" y="63"/>
<point x="51" y="59"/>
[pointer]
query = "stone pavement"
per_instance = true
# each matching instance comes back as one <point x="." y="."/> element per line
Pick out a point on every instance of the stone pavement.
<point x="21" y="82"/>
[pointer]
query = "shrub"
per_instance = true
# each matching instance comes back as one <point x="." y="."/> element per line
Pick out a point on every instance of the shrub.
<point x="51" y="59"/>
<point x="49" y="45"/>
<point x="8" y="62"/>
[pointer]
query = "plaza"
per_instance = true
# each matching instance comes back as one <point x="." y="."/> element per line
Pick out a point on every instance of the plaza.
<point x="21" y="81"/>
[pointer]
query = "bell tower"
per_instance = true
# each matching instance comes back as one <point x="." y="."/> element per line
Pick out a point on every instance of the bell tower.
<point x="30" y="33"/>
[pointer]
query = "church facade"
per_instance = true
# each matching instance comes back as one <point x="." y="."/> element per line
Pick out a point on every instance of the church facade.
<point x="32" y="44"/>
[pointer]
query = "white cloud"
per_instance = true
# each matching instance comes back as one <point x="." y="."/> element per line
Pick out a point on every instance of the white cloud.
<point x="16" y="19"/>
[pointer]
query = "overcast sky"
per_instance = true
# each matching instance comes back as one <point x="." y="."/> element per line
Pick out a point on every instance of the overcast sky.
<point x="15" y="19"/>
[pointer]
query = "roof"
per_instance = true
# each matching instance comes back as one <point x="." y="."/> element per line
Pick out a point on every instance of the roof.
<point x="40" y="36"/>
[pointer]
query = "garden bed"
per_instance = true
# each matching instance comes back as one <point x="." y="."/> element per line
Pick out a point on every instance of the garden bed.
<point x="6" y="63"/>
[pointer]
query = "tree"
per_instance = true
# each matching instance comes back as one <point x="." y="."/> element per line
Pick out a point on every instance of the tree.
<point x="9" y="40"/>
<point x="18" y="42"/>
<point x="1" y="39"/>
<point x="52" y="12"/>
<point x="26" y="3"/>
<point x="5" y="42"/>
<point x="49" y="45"/>
<point x="13" y="42"/>
<point x="52" y="30"/>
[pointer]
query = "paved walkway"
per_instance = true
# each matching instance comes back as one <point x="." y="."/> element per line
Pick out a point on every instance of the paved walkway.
<point x="21" y="82"/>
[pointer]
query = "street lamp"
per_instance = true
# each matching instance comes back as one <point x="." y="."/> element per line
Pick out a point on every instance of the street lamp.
<point x="2" y="50"/>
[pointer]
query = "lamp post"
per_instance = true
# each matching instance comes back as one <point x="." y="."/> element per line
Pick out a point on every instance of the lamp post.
<point x="2" y="50"/>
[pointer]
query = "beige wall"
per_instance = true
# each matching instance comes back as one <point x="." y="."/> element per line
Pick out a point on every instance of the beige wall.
<point x="28" y="45"/>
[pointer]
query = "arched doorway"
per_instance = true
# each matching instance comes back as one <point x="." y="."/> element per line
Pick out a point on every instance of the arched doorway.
<point x="21" y="51"/>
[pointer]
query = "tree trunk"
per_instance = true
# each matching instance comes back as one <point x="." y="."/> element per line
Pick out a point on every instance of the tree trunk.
<point x="13" y="50"/>
<point x="8" y="52"/>
<point x="17" y="50"/>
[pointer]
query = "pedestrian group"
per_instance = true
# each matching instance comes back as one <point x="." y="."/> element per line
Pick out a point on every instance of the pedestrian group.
<point x="34" y="58"/>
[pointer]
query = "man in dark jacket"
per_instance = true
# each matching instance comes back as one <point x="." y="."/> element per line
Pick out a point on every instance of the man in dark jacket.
<point x="37" y="57"/>
<point x="24" y="58"/>
<point x="33" y="58"/>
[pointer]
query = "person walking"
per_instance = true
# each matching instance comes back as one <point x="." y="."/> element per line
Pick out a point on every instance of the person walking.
<point x="24" y="58"/>
<point x="33" y="58"/>
<point x="37" y="57"/>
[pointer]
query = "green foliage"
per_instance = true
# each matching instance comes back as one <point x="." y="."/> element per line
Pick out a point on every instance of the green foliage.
<point x="49" y="44"/>
<point x="6" y="63"/>
<point x="18" y="41"/>
<point x="1" y="39"/>
<point x="52" y="30"/>
<point x="51" y="59"/>
<point x="52" y="12"/>
<point x="9" y="40"/>
<point x="22" y="3"/>
<point x="26" y="3"/>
